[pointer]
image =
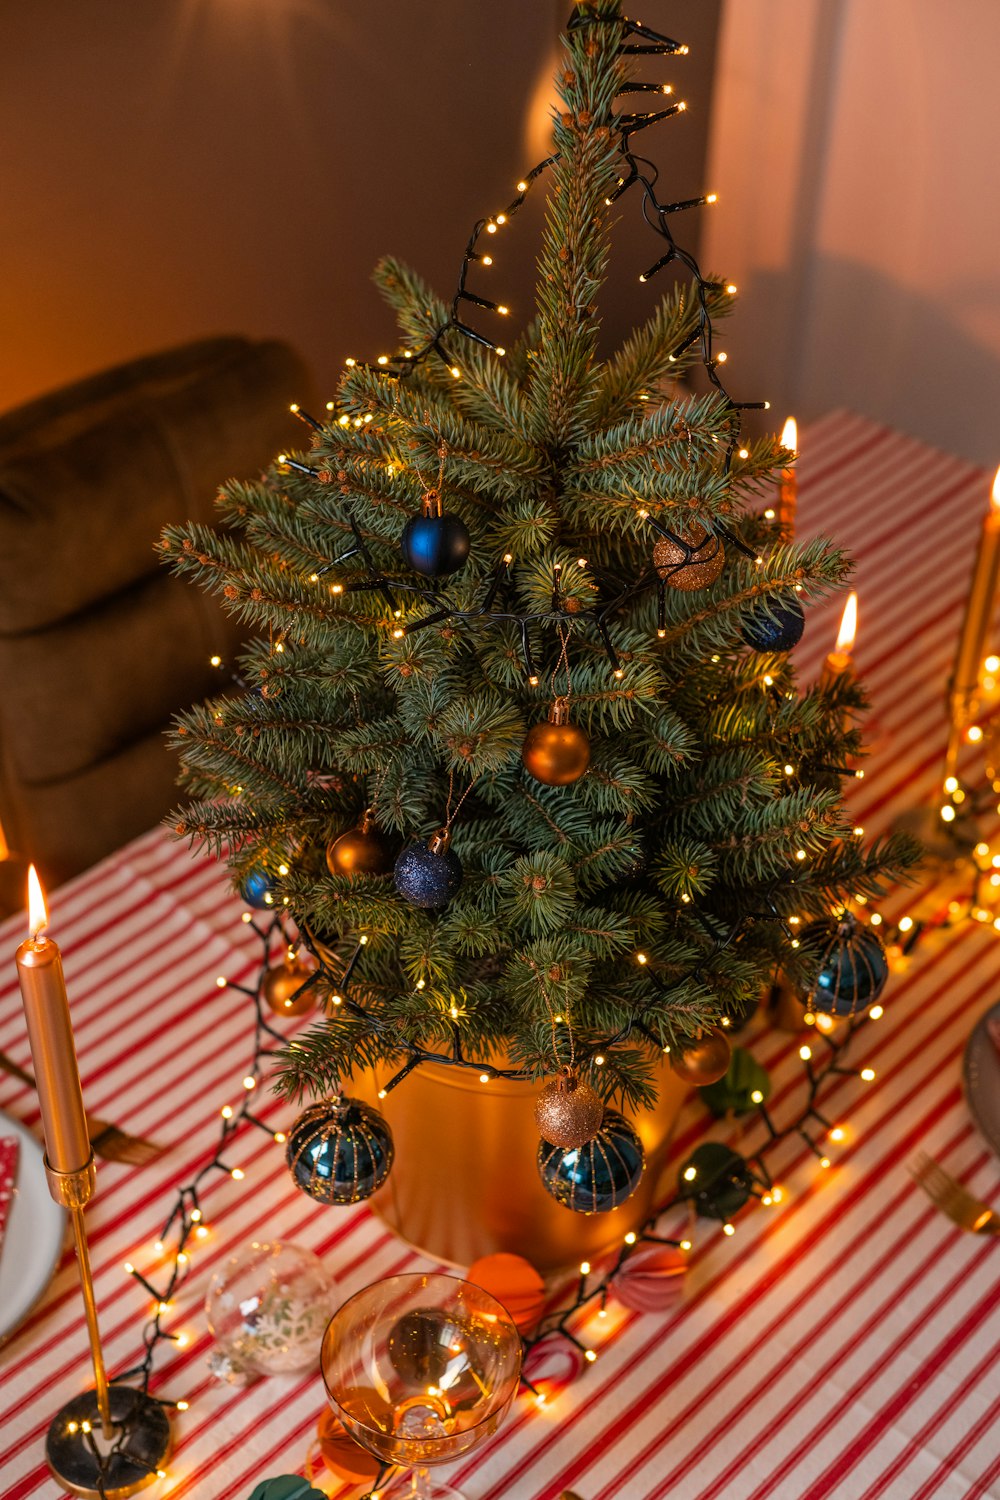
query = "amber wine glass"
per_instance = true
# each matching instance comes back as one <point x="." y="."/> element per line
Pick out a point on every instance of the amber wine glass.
<point x="421" y="1369"/>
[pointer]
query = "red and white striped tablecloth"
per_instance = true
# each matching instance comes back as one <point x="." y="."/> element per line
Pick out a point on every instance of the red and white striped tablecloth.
<point x="842" y="1345"/>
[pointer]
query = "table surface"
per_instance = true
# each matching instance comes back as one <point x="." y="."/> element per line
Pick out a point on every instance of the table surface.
<point x="844" y="1344"/>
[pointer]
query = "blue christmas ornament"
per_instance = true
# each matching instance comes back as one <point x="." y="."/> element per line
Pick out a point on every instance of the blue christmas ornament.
<point x="427" y="873"/>
<point x="432" y="543"/>
<point x="600" y="1174"/>
<point x="851" y="966"/>
<point x="779" y="627"/>
<point x="339" y="1151"/>
<point x="255" y="889"/>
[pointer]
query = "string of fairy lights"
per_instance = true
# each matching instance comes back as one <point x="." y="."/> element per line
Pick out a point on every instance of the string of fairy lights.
<point x="636" y="171"/>
<point x="186" y="1227"/>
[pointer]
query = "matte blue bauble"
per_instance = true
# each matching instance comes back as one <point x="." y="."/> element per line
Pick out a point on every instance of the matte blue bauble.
<point x="339" y="1151"/>
<point x="434" y="545"/>
<point x="851" y="966"/>
<point x="255" y="888"/>
<point x="599" y="1175"/>
<point x="777" y="628"/>
<point x="427" y="877"/>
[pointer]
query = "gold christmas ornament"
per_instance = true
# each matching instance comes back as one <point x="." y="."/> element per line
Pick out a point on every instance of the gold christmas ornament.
<point x="280" y="983"/>
<point x="556" y="752"/>
<point x="695" y="570"/>
<point x="568" y="1112"/>
<point x="364" y="850"/>
<point x="704" y="1061"/>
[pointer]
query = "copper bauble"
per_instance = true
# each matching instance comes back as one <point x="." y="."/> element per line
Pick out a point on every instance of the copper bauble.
<point x="364" y="850"/>
<point x="704" y="1061"/>
<point x="556" y="752"/>
<point x="278" y="988"/>
<point x="568" y="1112"/>
<point x="701" y="567"/>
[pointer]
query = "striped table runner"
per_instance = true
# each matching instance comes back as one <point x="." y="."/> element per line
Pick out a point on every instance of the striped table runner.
<point x="842" y="1345"/>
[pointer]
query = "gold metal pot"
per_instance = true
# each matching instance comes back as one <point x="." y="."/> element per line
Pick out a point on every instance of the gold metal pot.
<point x="464" y="1182"/>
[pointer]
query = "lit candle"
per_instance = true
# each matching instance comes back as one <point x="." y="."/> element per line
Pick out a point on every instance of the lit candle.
<point x="46" y="1010"/>
<point x="978" y="616"/>
<point x="839" y="663"/>
<point x="788" y="489"/>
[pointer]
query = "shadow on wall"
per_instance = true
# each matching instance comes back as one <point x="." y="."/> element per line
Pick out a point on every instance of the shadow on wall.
<point x="856" y="330"/>
<point x="921" y="364"/>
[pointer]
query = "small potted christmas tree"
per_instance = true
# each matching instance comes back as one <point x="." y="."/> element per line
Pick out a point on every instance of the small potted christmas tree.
<point x="521" y="750"/>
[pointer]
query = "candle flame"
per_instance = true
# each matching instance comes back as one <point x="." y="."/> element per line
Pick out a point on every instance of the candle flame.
<point x="995" y="492"/>
<point x="38" y="916"/>
<point x="790" y="435"/>
<point x="848" y="623"/>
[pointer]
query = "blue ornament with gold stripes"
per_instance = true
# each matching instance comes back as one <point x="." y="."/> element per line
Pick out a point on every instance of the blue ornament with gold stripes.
<point x="599" y="1175"/>
<point x="339" y="1151"/>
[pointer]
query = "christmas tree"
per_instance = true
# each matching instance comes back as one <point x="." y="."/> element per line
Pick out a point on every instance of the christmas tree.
<point x="520" y="747"/>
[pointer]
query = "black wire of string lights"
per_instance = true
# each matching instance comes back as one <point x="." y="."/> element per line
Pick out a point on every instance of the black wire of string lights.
<point x="185" y="1226"/>
<point x="637" y="39"/>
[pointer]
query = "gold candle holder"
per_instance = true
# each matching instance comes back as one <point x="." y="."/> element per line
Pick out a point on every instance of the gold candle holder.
<point x="111" y="1441"/>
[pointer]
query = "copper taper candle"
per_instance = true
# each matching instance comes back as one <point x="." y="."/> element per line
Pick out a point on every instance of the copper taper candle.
<point x="979" y="608"/>
<point x="135" y="1426"/>
<point x="788" y="487"/>
<point x="839" y="663"/>
<point x="46" y="1010"/>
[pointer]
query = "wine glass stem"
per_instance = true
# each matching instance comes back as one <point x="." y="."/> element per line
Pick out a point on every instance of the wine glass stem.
<point x="419" y="1487"/>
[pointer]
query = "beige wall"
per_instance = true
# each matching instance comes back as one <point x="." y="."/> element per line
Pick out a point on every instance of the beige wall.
<point x="854" y="145"/>
<point x="172" y="168"/>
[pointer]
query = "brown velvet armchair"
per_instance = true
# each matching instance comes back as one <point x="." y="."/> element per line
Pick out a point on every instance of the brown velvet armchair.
<point x="99" y="644"/>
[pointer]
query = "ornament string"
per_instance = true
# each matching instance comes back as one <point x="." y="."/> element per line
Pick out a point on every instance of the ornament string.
<point x="546" y="997"/>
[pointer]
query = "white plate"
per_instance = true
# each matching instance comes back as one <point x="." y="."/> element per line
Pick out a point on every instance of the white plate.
<point x="981" y="1076"/>
<point x="33" y="1241"/>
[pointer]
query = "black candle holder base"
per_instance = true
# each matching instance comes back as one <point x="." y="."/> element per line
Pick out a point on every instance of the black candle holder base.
<point x="85" y="1463"/>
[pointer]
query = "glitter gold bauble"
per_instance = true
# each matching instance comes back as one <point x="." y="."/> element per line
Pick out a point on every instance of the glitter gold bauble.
<point x="695" y="570"/>
<point x="704" y="1061"/>
<point x="279" y="986"/>
<point x="568" y="1112"/>
<point x="556" y="752"/>
<point x="364" y="850"/>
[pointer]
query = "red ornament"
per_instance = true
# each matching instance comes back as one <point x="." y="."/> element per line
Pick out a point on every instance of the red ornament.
<point x="650" y="1279"/>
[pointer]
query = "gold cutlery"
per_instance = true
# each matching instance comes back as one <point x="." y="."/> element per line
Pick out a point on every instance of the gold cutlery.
<point x="108" y="1141"/>
<point x="947" y="1194"/>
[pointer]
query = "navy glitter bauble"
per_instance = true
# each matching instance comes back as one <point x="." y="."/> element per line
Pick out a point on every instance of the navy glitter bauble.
<point x="851" y="966"/>
<point x="778" y="628"/>
<point x="425" y="876"/>
<point x="722" y="1181"/>
<point x="255" y="889"/>
<point x="434" y="545"/>
<point x="339" y="1151"/>
<point x="600" y="1174"/>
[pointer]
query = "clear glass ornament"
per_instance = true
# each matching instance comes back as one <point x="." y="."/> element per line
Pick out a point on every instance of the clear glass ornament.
<point x="267" y="1309"/>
